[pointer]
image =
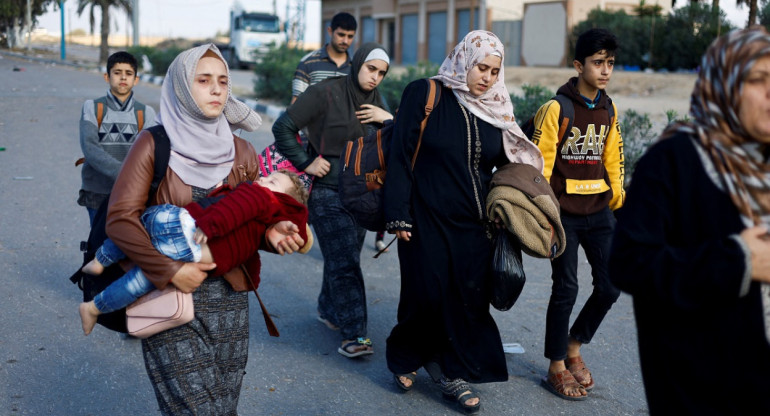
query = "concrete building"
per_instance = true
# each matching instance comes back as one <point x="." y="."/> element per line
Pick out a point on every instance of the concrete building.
<point x="426" y="30"/>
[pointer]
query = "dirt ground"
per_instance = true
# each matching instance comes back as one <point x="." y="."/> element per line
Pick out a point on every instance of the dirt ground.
<point x="651" y="93"/>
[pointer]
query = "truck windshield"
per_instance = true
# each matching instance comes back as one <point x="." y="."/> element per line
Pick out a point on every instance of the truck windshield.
<point x="260" y="24"/>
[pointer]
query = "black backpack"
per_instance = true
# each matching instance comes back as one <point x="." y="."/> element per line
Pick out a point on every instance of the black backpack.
<point x="364" y="164"/>
<point x="92" y="285"/>
<point x="566" y="119"/>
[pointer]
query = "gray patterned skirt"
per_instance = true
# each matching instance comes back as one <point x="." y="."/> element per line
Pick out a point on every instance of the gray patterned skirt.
<point x="197" y="368"/>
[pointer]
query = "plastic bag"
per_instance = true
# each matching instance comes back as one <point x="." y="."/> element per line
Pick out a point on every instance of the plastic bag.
<point x="507" y="271"/>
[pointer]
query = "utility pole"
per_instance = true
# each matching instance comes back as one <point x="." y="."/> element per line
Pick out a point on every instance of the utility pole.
<point x="135" y="21"/>
<point x="28" y="23"/>
<point x="63" y="43"/>
<point x="295" y="22"/>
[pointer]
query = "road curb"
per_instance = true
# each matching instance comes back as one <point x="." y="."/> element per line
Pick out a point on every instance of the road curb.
<point x="269" y="110"/>
<point x="49" y="60"/>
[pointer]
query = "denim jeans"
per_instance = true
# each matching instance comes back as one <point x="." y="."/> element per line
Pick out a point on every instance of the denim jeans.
<point x="91" y="215"/>
<point x="342" y="299"/>
<point x="171" y="230"/>
<point x="593" y="232"/>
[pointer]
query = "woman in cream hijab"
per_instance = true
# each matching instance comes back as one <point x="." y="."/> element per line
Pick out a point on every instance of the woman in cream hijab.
<point x="437" y="211"/>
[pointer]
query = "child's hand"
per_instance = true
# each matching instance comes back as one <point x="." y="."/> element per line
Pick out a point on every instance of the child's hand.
<point x="200" y="237"/>
<point x="286" y="227"/>
<point x="284" y="237"/>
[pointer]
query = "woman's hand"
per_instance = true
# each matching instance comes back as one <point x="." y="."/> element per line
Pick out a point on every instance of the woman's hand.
<point x="404" y="235"/>
<point x="372" y="114"/>
<point x="284" y="239"/>
<point x="191" y="275"/>
<point x="319" y="167"/>
<point x="758" y="241"/>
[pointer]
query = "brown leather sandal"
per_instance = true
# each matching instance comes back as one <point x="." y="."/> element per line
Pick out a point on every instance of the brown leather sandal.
<point x="559" y="383"/>
<point x="578" y="368"/>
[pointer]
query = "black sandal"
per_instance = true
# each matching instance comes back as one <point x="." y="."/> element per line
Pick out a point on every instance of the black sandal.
<point x="366" y="343"/>
<point x="460" y="391"/>
<point x="409" y="376"/>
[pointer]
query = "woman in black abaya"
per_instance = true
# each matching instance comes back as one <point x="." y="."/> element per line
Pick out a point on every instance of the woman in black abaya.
<point x="437" y="211"/>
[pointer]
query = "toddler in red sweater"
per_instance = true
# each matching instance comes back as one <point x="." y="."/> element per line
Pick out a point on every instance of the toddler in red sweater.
<point x="226" y="228"/>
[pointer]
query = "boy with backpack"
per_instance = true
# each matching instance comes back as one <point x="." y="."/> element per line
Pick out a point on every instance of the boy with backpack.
<point x="226" y="228"/>
<point x="584" y="166"/>
<point x="108" y="127"/>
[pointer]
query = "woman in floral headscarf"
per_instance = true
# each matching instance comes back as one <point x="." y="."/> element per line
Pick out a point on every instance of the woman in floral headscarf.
<point x="691" y="243"/>
<point x="437" y="211"/>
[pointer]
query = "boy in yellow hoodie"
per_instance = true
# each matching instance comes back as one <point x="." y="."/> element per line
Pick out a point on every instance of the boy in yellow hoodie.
<point x="585" y="170"/>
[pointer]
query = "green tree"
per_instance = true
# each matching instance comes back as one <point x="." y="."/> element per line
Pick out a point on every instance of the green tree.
<point x="632" y="31"/>
<point x="525" y="107"/>
<point x="689" y="31"/>
<point x="104" y="7"/>
<point x="644" y="11"/>
<point x="13" y="16"/>
<point x="275" y="72"/>
<point x="393" y="85"/>
<point x="752" y="10"/>
<point x="764" y="15"/>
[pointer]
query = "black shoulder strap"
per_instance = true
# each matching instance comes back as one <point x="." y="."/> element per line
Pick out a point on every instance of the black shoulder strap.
<point x="97" y="235"/>
<point x="162" y="154"/>
<point x="611" y="111"/>
<point x="566" y="114"/>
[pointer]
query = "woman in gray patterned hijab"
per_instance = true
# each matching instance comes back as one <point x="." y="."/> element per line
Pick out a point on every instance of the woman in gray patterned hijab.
<point x="692" y="244"/>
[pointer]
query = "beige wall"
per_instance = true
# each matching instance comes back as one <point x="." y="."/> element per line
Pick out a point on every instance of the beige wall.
<point x="513" y="9"/>
<point x="497" y="10"/>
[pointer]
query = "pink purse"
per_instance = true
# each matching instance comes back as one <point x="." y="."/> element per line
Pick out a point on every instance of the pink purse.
<point x="158" y="311"/>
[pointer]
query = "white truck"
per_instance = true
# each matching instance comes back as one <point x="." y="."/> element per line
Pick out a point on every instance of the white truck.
<point x="251" y="34"/>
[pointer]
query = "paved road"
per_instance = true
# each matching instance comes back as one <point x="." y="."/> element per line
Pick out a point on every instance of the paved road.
<point x="47" y="367"/>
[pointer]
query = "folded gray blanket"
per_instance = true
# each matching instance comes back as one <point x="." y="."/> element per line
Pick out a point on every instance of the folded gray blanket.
<point x="525" y="203"/>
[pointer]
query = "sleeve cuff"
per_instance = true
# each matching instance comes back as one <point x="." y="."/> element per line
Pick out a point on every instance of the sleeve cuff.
<point x="398" y="225"/>
<point x="746" y="279"/>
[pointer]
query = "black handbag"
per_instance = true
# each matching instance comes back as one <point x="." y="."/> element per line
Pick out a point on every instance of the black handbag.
<point x="507" y="271"/>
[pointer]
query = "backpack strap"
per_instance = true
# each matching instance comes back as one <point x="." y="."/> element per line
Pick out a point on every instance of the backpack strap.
<point x="99" y="105"/>
<point x="160" y="164"/>
<point x="431" y="101"/>
<point x="99" y="110"/>
<point x="162" y="155"/>
<point x="566" y="115"/>
<point x="139" y="113"/>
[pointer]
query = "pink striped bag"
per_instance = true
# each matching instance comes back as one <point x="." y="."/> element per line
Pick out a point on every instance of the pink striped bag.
<point x="271" y="160"/>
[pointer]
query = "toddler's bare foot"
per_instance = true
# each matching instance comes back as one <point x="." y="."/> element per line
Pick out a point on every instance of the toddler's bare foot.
<point x="93" y="267"/>
<point x="88" y="315"/>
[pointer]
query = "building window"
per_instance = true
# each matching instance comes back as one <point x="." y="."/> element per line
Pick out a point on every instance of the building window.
<point x="437" y="37"/>
<point x="367" y="30"/>
<point x="464" y="22"/>
<point x="409" y="24"/>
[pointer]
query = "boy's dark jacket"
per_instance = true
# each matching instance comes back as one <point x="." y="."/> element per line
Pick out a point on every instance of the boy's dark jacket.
<point x="586" y="169"/>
